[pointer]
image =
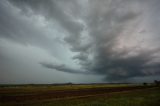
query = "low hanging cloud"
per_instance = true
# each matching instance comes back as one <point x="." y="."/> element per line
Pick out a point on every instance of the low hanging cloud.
<point x="113" y="38"/>
<point x="63" y="68"/>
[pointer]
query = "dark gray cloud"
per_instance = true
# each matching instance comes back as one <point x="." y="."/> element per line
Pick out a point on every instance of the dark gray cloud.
<point x="52" y="10"/>
<point x="105" y="25"/>
<point x="17" y="27"/>
<point x="117" y="39"/>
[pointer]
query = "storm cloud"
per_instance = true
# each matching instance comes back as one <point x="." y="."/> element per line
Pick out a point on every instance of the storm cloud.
<point x="115" y="39"/>
<point x="64" y="68"/>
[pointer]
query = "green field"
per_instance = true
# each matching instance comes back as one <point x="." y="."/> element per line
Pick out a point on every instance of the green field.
<point x="81" y="95"/>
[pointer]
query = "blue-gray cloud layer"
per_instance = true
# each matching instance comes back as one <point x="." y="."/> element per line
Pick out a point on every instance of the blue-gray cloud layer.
<point x="117" y="39"/>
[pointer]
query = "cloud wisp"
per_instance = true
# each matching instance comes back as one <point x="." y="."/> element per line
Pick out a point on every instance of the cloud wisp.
<point x="63" y="68"/>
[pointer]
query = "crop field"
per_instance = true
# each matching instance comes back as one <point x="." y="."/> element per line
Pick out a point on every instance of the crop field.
<point x="80" y="95"/>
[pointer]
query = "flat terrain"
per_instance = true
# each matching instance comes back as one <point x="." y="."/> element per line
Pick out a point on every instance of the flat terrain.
<point x="71" y="95"/>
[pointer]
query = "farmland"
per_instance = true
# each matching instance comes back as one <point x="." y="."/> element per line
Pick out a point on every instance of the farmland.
<point x="80" y="95"/>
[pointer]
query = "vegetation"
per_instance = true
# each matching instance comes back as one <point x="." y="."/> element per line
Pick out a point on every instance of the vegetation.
<point x="147" y="97"/>
<point x="81" y="95"/>
<point x="157" y="83"/>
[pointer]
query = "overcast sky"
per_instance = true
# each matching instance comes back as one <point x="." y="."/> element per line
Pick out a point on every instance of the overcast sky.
<point x="79" y="41"/>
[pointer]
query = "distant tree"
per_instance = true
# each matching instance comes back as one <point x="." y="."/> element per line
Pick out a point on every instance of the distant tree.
<point x="69" y="83"/>
<point x="157" y="83"/>
<point x="145" y="84"/>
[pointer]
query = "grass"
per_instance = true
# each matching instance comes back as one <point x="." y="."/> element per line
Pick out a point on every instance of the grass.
<point x="26" y="89"/>
<point x="141" y="97"/>
<point x="147" y="97"/>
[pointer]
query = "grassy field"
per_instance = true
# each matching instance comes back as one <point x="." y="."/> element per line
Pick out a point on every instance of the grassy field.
<point x="80" y="95"/>
<point x="147" y="97"/>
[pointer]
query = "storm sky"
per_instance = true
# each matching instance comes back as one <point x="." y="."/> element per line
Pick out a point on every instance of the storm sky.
<point x="79" y="41"/>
